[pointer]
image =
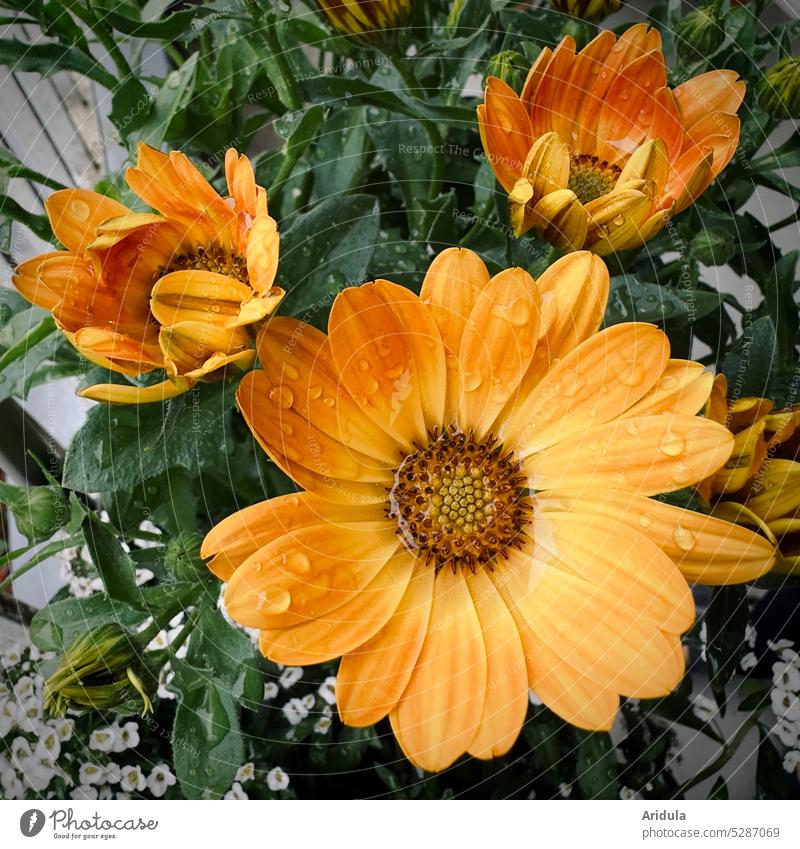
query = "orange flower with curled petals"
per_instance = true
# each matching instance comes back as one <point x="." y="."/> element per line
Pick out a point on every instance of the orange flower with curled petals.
<point x="181" y="290"/>
<point x="759" y="486"/>
<point x="475" y="520"/>
<point x="598" y="152"/>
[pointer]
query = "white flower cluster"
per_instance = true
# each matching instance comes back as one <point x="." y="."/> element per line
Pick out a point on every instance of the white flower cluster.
<point x="277" y="780"/>
<point x="42" y="757"/>
<point x="785" y="697"/>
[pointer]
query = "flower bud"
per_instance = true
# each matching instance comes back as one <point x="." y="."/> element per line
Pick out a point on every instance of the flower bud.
<point x="587" y="10"/>
<point x="182" y="558"/>
<point x="511" y="67"/>
<point x="700" y="33"/>
<point x="39" y="511"/>
<point x="101" y="669"/>
<point x="365" y="17"/>
<point x="779" y="91"/>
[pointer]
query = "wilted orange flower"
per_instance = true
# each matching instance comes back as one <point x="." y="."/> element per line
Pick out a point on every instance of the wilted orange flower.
<point x="597" y="151"/>
<point x="759" y="486"/>
<point x="181" y="290"/>
<point x="477" y="464"/>
<point x="363" y="17"/>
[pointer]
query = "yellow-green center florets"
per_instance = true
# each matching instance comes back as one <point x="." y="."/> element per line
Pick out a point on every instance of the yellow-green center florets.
<point x="459" y="502"/>
<point x="591" y="178"/>
<point x="212" y="258"/>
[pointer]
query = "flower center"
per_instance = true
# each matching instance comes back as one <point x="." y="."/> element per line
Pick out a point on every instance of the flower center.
<point x="211" y="258"/>
<point x="459" y="502"/>
<point x="591" y="178"/>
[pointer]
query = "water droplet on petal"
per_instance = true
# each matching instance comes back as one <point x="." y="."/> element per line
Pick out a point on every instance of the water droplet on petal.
<point x="472" y="380"/>
<point x="290" y="371"/>
<point x="570" y="386"/>
<point x="644" y="520"/>
<point x="618" y="220"/>
<point x="281" y="396"/>
<point x="631" y="374"/>
<point x="314" y="391"/>
<point x="273" y="600"/>
<point x="371" y="385"/>
<point x="298" y="563"/>
<point x="672" y="444"/>
<point x="363" y="365"/>
<point x="684" y="538"/>
<point x="79" y="210"/>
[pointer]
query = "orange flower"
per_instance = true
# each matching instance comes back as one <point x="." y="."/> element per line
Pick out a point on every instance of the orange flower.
<point x="180" y="290"/>
<point x="597" y="151"/>
<point x="477" y="464"/>
<point x="759" y="486"/>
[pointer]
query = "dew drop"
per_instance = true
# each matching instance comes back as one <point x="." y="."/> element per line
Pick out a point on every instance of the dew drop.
<point x="669" y="381"/>
<point x="631" y="374"/>
<point x="328" y="401"/>
<point x="281" y="396"/>
<point x="371" y="385"/>
<point x="273" y="600"/>
<point x="472" y="380"/>
<point x="570" y="386"/>
<point x="314" y="391"/>
<point x="618" y="220"/>
<point x="645" y="521"/>
<point x="79" y="210"/>
<point x="684" y="538"/>
<point x="363" y="365"/>
<point x="672" y="444"/>
<point x="290" y="371"/>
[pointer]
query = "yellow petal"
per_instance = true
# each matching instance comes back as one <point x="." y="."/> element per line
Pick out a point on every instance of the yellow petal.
<point x="75" y="215"/>
<point x="650" y="163"/>
<point x="547" y="166"/>
<point x="615" y="219"/>
<point x="683" y="388"/>
<point x="189" y="344"/>
<point x="371" y="681"/>
<point x="507" y="680"/>
<point x="116" y="393"/>
<point x="497" y="347"/>
<point x="202" y="296"/>
<point x="777" y="495"/>
<point x="440" y="711"/>
<point x="561" y="218"/>
<point x="263" y="246"/>
<point x="647" y="455"/>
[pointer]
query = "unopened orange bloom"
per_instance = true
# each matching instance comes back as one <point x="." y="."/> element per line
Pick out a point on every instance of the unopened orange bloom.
<point x="365" y="17"/>
<point x="598" y="152"/>
<point x="759" y="486"/>
<point x="477" y="463"/>
<point x="181" y="289"/>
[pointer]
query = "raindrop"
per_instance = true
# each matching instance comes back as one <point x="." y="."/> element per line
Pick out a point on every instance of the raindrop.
<point x="281" y="396"/>
<point x="672" y="444"/>
<point x="472" y="380"/>
<point x="684" y="538"/>
<point x="371" y="385"/>
<point x="290" y="371"/>
<point x="298" y="563"/>
<point x="314" y="391"/>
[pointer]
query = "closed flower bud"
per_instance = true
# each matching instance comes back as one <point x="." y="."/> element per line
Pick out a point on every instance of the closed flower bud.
<point x="700" y="33"/>
<point x="587" y="10"/>
<point x="712" y="247"/>
<point x="182" y="558"/>
<point x="511" y="67"/>
<point x="779" y="91"/>
<point x="39" y="511"/>
<point x="101" y="669"/>
<point x="365" y="17"/>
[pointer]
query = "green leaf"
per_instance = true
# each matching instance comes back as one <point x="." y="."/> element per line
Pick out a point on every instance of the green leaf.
<point x="111" y="561"/>
<point x="13" y="168"/>
<point x="169" y="28"/>
<point x="297" y="129"/>
<point x="726" y="622"/>
<point x="597" y="768"/>
<point x="118" y="447"/>
<point x="37" y="224"/>
<point x="46" y="59"/>
<point x="631" y="299"/>
<point x="719" y="790"/>
<point x="750" y="363"/>
<point x="771" y="778"/>
<point x="340" y="152"/>
<point x="207" y="744"/>
<point x="130" y="106"/>
<point x="55" y="626"/>
<point x="325" y="250"/>
<point x="173" y="96"/>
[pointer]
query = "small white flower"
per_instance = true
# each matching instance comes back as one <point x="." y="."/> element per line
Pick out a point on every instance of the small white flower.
<point x="534" y="699"/>
<point x="785" y="705"/>
<point x="12" y="656"/>
<point x="30" y="712"/>
<point x="703" y="641"/>
<point x="20" y="752"/>
<point x="295" y="711"/>
<point x="112" y="773"/>
<point x="91" y="773"/>
<point x="165" y="678"/>
<point x="126" y="736"/>
<point x="565" y="790"/>
<point x="24" y="687"/>
<point x="105" y="792"/>
<point x="277" y="779"/>
<point x="84" y="792"/>
<point x="750" y="635"/>
<point x="159" y="780"/>
<point x="327" y="690"/>
<point x="788" y="732"/>
<point x="15" y="789"/>
<point x="628" y="793"/>
<point x="789" y="656"/>
<point x="50" y="743"/>
<point x="271" y="690"/>
<point x="246" y="772"/>
<point x="290" y="676"/>
<point x="8" y="717"/>
<point x="103" y="739"/>
<point x="236" y="792"/>
<point x="323" y="724"/>
<point x="123" y="797"/>
<point x="132" y="778"/>
<point x="748" y="661"/>
<point x="5" y="691"/>
<point x="780" y="645"/>
<point x="786" y="675"/>
<point x="39" y="776"/>
<point x="308" y="701"/>
<point x="704" y="708"/>
<point x="64" y="728"/>
<point x="791" y="760"/>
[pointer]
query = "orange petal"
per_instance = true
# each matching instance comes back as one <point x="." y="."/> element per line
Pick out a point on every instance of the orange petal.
<point x="561" y="218"/>
<point x="615" y="219"/>
<point x="298" y="356"/>
<point x="371" y="681"/>
<point x="315" y="460"/>
<point x="650" y="163"/>
<point x="75" y="215"/>
<point x="263" y="246"/>
<point x="546" y="108"/>
<point x="241" y="182"/>
<point x="308" y="572"/>
<point x="202" y="296"/>
<point x="497" y="347"/>
<point x="666" y="123"/>
<point x="440" y="711"/>
<point x="648" y="455"/>
<point x="683" y="388"/>
<point x="189" y="344"/>
<point x="707" y="550"/>
<point x="235" y="538"/>
<point x="714" y="91"/>
<point x="344" y="629"/>
<point x="547" y="166"/>
<point x="505" y="130"/>
<point x="451" y="287"/>
<point x="375" y="358"/>
<point x="595" y="382"/>
<point x="116" y="393"/>
<point x="44" y="279"/>
<point x="535" y="77"/>
<point x="506" y="701"/>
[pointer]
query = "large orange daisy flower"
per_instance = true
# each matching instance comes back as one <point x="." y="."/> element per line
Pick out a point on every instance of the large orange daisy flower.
<point x="597" y="151"/>
<point x="180" y="290"/>
<point x="477" y="463"/>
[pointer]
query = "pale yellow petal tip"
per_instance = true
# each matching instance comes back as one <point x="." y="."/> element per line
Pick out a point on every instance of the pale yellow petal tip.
<point x="117" y="393"/>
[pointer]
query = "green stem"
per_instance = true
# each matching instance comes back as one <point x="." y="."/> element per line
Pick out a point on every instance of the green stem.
<point x="728" y="751"/>
<point x="40" y="555"/>
<point x="42" y="330"/>
<point x="13" y="555"/>
<point x="265" y="24"/>
<point x="89" y="17"/>
<point x="188" y="627"/>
